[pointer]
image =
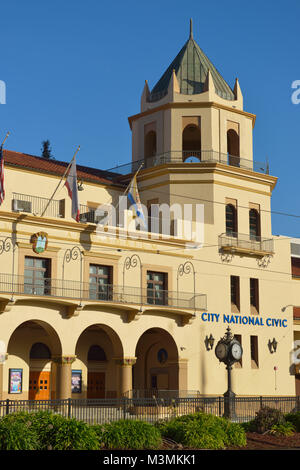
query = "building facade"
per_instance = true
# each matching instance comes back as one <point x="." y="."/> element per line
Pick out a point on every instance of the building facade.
<point x="103" y="306"/>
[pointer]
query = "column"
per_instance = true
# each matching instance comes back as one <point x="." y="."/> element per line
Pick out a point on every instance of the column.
<point x="63" y="376"/>
<point x="126" y="364"/>
<point x="3" y="358"/>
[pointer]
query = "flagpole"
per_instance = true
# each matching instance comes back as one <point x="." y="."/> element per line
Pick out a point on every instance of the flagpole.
<point x="67" y="169"/>
<point x="7" y="134"/>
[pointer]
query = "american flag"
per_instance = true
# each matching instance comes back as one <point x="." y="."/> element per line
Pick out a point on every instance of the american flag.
<point x="2" y="191"/>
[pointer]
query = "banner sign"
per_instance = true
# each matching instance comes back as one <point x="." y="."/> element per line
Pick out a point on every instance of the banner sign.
<point x="234" y="319"/>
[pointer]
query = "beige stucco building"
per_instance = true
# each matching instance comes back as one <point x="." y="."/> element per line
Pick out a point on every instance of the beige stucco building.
<point x="104" y="308"/>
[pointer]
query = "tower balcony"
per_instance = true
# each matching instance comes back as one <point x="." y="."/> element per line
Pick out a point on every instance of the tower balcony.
<point x="192" y="156"/>
<point x="244" y="244"/>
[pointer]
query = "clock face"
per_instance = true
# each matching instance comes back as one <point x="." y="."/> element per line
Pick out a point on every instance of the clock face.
<point x="221" y="351"/>
<point x="236" y="351"/>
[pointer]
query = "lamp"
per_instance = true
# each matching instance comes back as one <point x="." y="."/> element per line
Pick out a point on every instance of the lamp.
<point x="80" y="186"/>
<point x="209" y="342"/>
<point x="272" y="345"/>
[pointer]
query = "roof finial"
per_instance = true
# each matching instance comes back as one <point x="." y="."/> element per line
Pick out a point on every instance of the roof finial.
<point x="191" y="28"/>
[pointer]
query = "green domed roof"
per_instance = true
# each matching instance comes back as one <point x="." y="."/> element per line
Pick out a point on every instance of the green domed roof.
<point x="191" y="66"/>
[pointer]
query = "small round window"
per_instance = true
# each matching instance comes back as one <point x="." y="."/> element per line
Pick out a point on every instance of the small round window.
<point x="162" y="356"/>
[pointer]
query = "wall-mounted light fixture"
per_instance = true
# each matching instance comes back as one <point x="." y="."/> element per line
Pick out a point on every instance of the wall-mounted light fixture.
<point x="209" y="342"/>
<point x="80" y="185"/>
<point x="272" y="345"/>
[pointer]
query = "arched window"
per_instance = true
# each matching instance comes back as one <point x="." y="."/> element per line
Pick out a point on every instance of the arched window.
<point x="231" y="220"/>
<point x="96" y="353"/>
<point x="254" y="224"/>
<point x="39" y="351"/>
<point x="233" y="147"/>
<point x="191" y="143"/>
<point x="150" y="144"/>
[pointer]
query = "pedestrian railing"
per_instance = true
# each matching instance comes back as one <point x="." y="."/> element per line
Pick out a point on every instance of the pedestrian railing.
<point x="99" y="411"/>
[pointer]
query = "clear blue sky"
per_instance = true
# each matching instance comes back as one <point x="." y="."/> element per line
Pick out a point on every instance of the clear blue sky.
<point x="75" y="70"/>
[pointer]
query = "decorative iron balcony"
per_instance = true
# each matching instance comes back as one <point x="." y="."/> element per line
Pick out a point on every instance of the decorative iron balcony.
<point x="192" y="156"/>
<point x="109" y="293"/>
<point x="248" y="244"/>
<point x="36" y="205"/>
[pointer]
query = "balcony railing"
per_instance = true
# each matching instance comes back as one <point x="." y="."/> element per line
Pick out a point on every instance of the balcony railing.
<point x="75" y="290"/>
<point x="243" y="242"/>
<point x="192" y="156"/>
<point x="37" y="205"/>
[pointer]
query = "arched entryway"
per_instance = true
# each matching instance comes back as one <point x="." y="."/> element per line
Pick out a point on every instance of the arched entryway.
<point x="30" y="350"/>
<point x="96" y="351"/>
<point x="157" y="364"/>
<point x="233" y="147"/>
<point x="191" y="143"/>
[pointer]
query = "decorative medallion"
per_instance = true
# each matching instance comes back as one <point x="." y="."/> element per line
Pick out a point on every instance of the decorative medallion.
<point x="39" y="242"/>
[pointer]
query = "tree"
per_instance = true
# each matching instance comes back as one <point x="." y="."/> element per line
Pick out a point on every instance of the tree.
<point x="46" y="150"/>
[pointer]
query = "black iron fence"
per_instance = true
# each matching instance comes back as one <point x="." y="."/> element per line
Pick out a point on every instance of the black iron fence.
<point x="99" y="411"/>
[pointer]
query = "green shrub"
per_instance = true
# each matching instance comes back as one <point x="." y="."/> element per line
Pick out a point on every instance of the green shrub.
<point x="294" y="418"/>
<point x="17" y="432"/>
<point x="284" y="429"/>
<point x="267" y="417"/>
<point x="128" y="434"/>
<point x="45" y="431"/>
<point x="59" y="433"/>
<point x="203" y="431"/>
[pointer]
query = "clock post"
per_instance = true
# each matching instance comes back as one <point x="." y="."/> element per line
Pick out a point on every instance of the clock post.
<point x="229" y="351"/>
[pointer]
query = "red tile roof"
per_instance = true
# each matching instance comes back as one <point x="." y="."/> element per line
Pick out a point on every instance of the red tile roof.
<point x="55" y="167"/>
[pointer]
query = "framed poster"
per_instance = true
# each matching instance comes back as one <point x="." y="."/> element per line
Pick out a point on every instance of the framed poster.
<point x="15" y="380"/>
<point x="76" y="381"/>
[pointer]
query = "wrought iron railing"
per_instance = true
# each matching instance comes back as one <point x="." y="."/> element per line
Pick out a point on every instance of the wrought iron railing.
<point x="83" y="291"/>
<point x="246" y="242"/>
<point x="192" y="156"/>
<point x="36" y="205"/>
<point x="99" y="411"/>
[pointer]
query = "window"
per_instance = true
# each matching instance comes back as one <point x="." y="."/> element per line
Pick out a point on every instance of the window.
<point x="254" y="351"/>
<point x="37" y="276"/>
<point x="39" y="351"/>
<point x="100" y="282"/>
<point x="156" y="288"/>
<point x="254" y="297"/>
<point x="235" y="293"/>
<point x="191" y="142"/>
<point x="295" y="267"/>
<point x="96" y="353"/>
<point x="254" y="224"/>
<point x="231" y="220"/>
<point x="233" y="147"/>
<point x="150" y="144"/>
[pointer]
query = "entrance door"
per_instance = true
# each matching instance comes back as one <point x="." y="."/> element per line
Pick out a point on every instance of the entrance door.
<point x="39" y="385"/>
<point x="96" y="385"/>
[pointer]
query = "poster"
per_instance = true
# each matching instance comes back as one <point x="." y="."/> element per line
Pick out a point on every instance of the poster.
<point x="76" y="381"/>
<point x="15" y="380"/>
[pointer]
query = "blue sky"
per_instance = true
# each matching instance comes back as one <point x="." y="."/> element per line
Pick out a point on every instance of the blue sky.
<point x="74" y="72"/>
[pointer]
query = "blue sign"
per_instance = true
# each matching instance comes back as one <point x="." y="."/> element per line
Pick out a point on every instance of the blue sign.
<point x="243" y="320"/>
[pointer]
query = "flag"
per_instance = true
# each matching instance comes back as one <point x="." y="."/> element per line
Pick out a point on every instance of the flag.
<point x="71" y="184"/>
<point x="134" y="198"/>
<point x="2" y="191"/>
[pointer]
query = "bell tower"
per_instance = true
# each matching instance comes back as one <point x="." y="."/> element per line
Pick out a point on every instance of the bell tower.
<point x="192" y="114"/>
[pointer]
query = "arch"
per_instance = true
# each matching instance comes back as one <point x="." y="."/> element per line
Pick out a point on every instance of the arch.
<point x="231" y="220"/>
<point x="97" y="349"/>
<point x="254" y="224"/>
<point x="233" y="147"/>
<point x="150" y="144"/>
<point x="30" y="347"/>
<point x="191" y="142"/>
<point x="157" y="364"/>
